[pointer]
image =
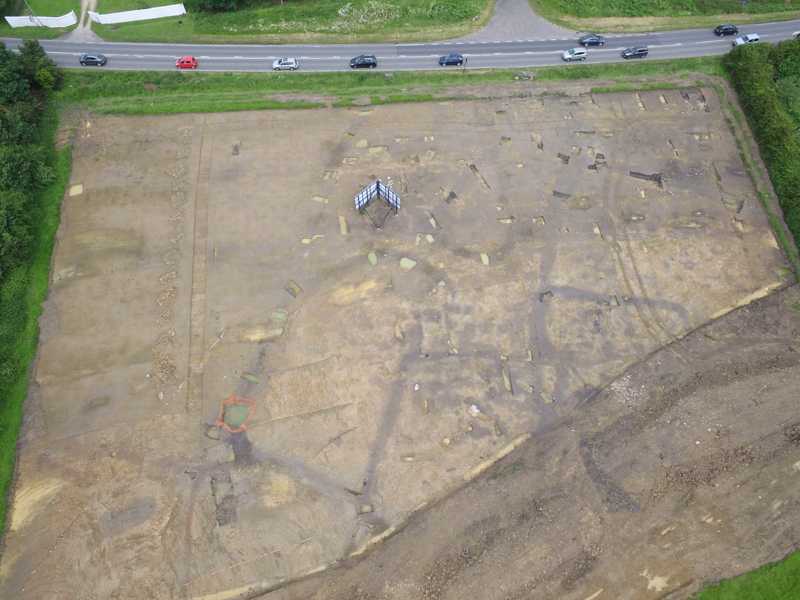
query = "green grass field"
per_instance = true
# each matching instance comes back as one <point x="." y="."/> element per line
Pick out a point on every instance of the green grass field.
<point x="305" y="21"/>
<point x="45" y="8"/>
<point x="655" y="15"/>
<point x="21" y="295"/>
<point x="664" y="8"/>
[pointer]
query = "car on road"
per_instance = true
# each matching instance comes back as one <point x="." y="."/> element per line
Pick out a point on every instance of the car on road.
<point x="363" y="61"/>
<point x="592" y="39"/>
<point x="635" y="52"/>
<point x="796" y="35"/>
<point x="187" y="62"/>
<point x="285" y="64"/>
<point x="93" y="60"/>
<point x="750" y="38"/>
<point x="726" y="29"/>
<point x="574" y="54"/>
<point x="452" y="59"/>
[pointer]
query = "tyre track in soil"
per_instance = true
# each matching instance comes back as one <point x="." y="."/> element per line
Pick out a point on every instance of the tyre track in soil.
<point x="698" y="455"/>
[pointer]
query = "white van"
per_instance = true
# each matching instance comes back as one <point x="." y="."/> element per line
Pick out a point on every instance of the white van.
<point x="575" y="54"/>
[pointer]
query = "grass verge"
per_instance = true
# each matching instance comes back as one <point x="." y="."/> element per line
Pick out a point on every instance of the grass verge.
<point x="21" y="297"/>
<point x="129" y="92"/>
<point x="327" y="21"/>
<point x="630" y="16"/>
<point x="44" y="8"/>
<point x="776" y="581"/>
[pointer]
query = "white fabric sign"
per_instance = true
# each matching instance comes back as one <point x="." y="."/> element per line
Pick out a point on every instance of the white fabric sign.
<point x="63" y="21"/>
<point x="127" y="16"/>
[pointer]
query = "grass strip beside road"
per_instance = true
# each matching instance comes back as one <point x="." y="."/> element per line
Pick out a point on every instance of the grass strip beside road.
<point x="631" y="16"/>
<point x="135" y="92"/>
<point x="21" y="296"/>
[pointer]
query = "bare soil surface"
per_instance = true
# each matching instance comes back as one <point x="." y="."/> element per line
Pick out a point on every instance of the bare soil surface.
<point x="683" y="471"/>
<point x="241" y="380"/>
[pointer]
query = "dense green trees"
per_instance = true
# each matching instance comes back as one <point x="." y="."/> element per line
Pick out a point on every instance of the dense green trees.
<point x="767" y="79"/>
<point x="26" y="80"/>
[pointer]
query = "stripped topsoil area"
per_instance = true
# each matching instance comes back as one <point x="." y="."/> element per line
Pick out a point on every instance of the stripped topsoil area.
<point x="240" y="379"/>
<point x="683" y="471"/>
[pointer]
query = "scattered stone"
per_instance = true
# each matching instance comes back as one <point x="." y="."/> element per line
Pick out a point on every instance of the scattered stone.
<point x="161" y="396"/>
<point x="212" y="432"/>
<point x="261" y="334"/>
<point x="293" y="288"/>
<point x="416" y="387"/>
<point x="343" y="229"/>
<point x="450" y="197"/>
<point x="250" y="377"/>
<point x="76" y="190"/>
<point x="452" y="349"/>
<point x="432" y="220"/>
<point x="562" y="195"/>
<point x="523" y="76"/>
<point x="505" y="140"/>
<point x="407" y="264"/>
<point x="362" y="144"/>
<point x="429" y="238"/>
<point x="446" y="441"/>
<point x="546" y="295"/>
<point x="280" y="315"/>
<point x="372" y="258"/>
<point x="474" y="411"/>
<point x="418" y="239"/>
<point x="408" y="458"/>
<point x="564" y="158"/>
<point x="485" y="259"/>
<point x="540" y="220"/>
<point x="506" y="220"/>
<point x="320" y="199"/>
<point x="365" y="508"/>
<point x="507" y="381"/>
<point x="398" y="332"/>
<point x="314" y="237"/>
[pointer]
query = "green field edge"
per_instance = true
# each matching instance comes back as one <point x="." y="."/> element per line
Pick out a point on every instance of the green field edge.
<point x="152" y="93"/>
<point x="37" y="275"/>
<point x="141" y="32"/>
<point x="662" y="23"/>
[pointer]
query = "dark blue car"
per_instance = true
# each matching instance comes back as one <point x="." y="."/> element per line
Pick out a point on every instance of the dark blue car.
<point x="452" y="59"/>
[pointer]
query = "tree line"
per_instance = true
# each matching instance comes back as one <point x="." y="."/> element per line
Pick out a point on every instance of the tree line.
<point x="27" y="79"/>
<point x="767" y="81"/>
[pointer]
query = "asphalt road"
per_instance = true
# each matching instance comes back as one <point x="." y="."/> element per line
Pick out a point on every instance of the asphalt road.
<point x="401" y="57"/>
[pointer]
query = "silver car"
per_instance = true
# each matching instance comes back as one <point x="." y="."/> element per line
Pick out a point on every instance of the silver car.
<point x="574" y="54"/>
<point x="285" y="64"/>
<point x="750" y="38"/>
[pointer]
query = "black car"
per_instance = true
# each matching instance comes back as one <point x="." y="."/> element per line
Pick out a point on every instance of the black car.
<point x="635" y="52"/>
<point x="364" y="61"/>
<point x="592" y="39"/>
<point x="726" y="29"/>
<point x="95" y="60"/>
<point x="452" y="59"/>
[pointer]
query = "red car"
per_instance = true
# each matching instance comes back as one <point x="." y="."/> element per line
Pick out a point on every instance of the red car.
<point x="186" y="62"/>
